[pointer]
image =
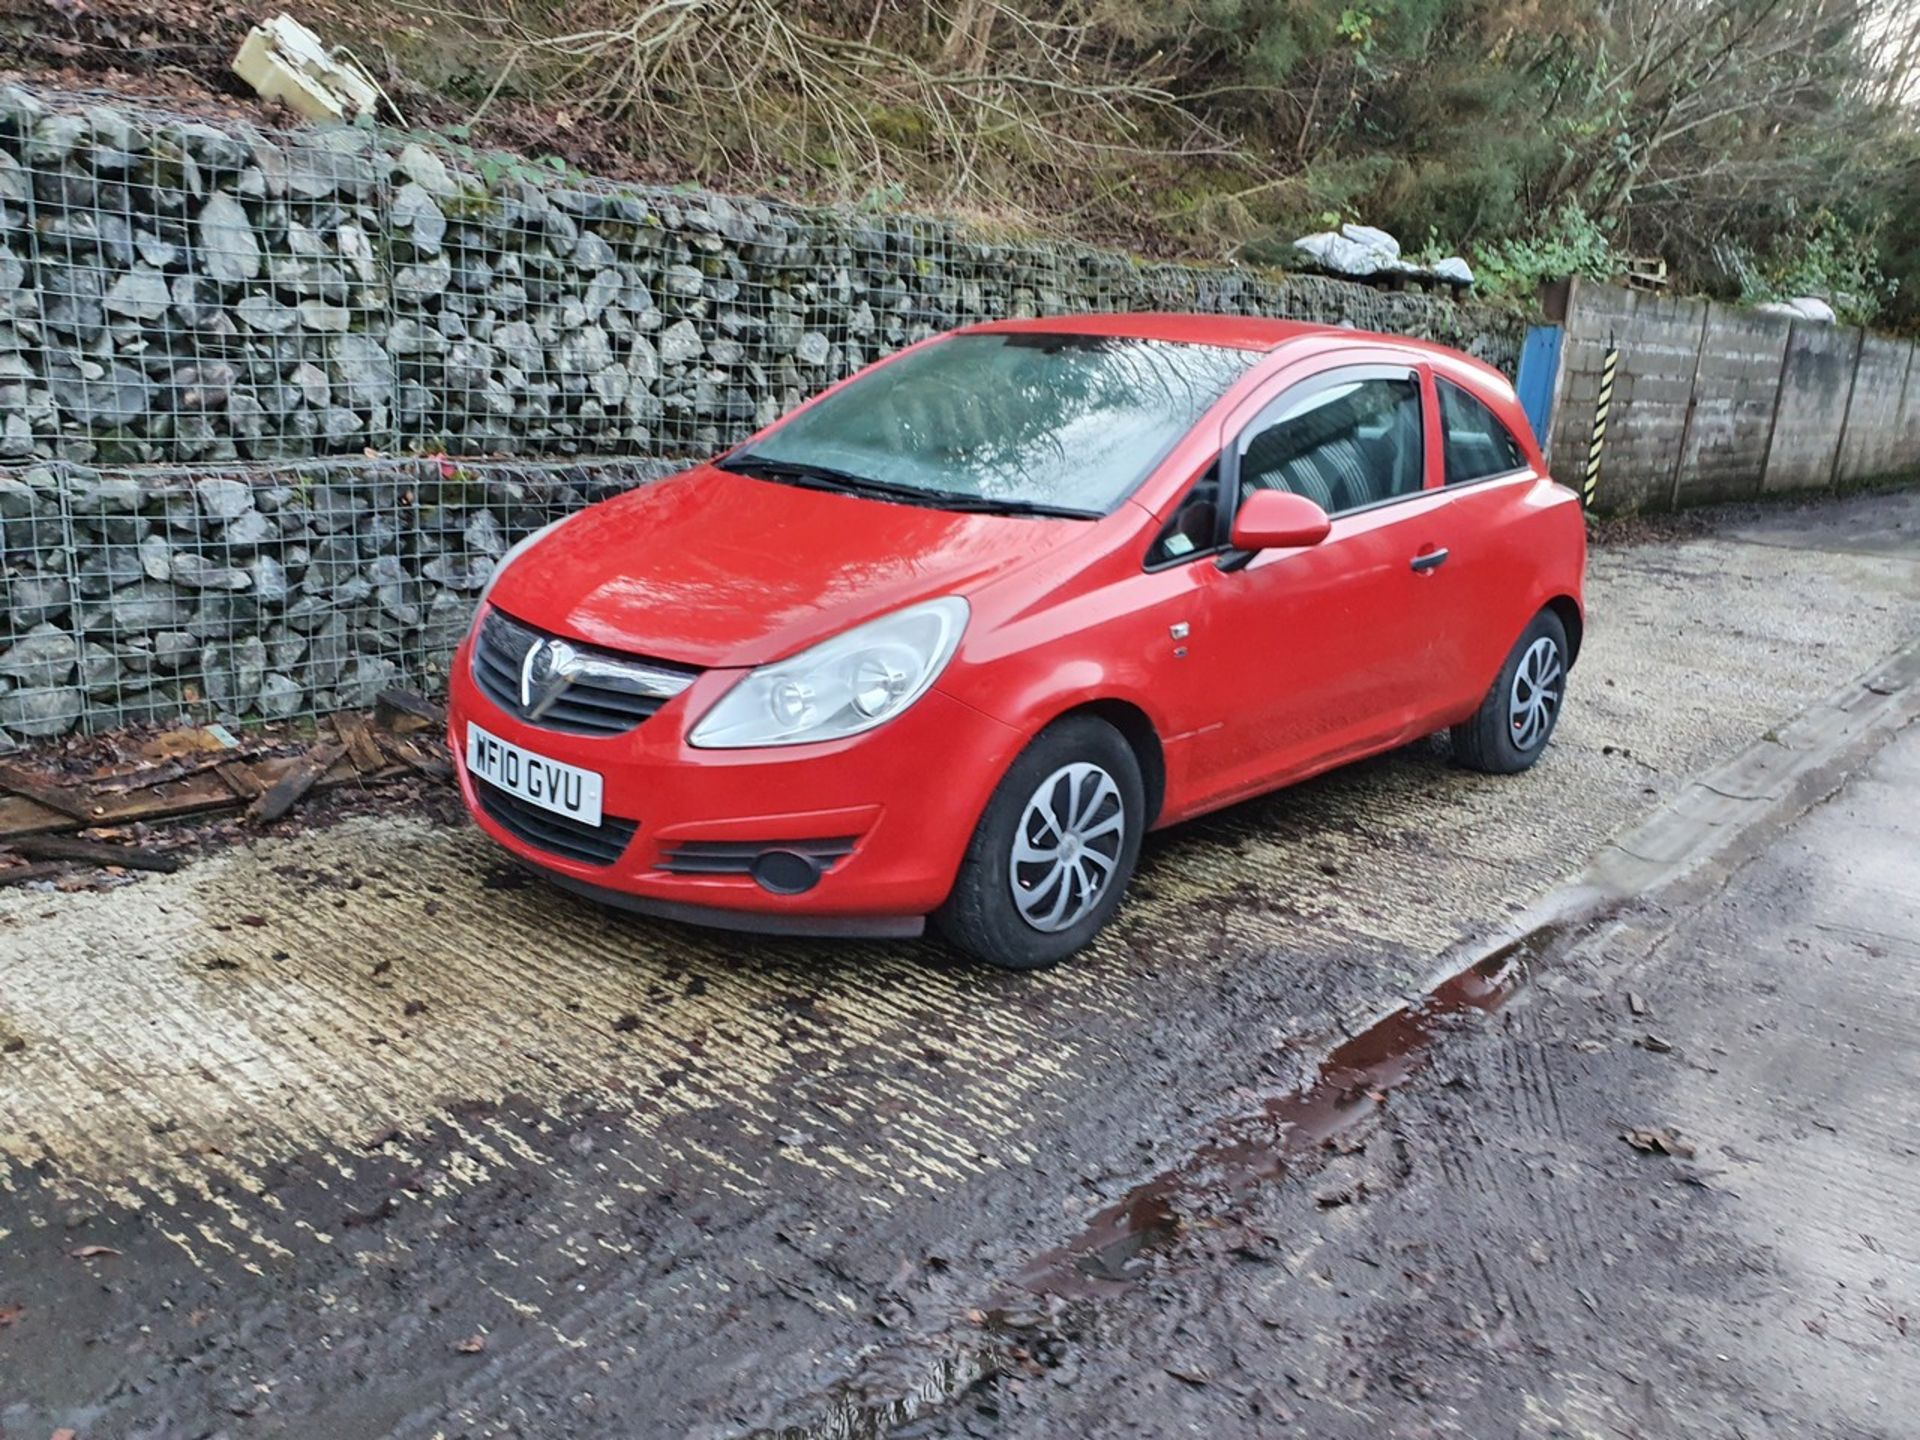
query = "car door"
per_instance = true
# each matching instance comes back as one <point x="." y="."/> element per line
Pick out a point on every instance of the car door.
<point x="1335" y="649"/>
<point x="1492" y="488"/>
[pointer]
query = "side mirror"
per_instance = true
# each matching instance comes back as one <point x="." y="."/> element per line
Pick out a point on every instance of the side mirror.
<point x="1278" y="520"/>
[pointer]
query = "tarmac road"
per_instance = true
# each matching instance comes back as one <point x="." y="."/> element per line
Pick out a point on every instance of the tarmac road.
<point x="368" y="1136"/>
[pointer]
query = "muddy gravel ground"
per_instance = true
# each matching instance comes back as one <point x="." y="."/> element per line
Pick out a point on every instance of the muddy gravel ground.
<point x="1667" y="1189"/>
<point x="360" y="1133"/>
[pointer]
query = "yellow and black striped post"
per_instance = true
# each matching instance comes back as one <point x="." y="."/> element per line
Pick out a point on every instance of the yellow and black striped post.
<point x="1600" y="408"/>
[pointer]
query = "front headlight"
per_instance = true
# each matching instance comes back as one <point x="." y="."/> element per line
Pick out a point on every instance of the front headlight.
<point x="841" y="686"/>
<point x="514" y="552"/>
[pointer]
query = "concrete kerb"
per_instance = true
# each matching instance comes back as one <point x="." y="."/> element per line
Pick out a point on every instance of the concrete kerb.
<point x="1714" y="822"/>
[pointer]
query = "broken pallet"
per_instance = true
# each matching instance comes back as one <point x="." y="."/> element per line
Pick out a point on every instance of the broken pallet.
<point x="32" y="804"/>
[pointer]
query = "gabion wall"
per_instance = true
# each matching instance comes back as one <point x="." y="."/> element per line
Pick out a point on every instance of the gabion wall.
<point x="266" y="591"/>
<point x="195" y="317"/>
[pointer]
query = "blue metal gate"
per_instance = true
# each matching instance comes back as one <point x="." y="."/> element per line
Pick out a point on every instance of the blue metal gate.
<point x="1539" y="366"/>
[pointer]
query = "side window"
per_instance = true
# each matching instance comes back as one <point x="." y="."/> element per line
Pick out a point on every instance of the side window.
<point x="1343" y="445"/>
<point x="1478" y="445"/>
<point x="1194" y="527"/>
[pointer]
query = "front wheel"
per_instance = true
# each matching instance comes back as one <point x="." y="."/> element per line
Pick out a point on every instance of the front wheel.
<point x="1516" y="719"/>
<point x="1053" y="851"/>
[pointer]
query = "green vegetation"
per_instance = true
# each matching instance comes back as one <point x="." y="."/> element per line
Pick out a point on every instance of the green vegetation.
<point x="1760" y="147"/>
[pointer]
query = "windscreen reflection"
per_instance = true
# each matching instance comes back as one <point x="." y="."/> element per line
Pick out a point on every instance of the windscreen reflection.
<point x="1070" y="421"/>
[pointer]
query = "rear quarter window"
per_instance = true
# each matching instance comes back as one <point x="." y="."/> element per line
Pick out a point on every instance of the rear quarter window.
<point x="1477" y="444"/>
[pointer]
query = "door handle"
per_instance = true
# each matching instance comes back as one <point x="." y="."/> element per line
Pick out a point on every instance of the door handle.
<point x="1428" y="560"/>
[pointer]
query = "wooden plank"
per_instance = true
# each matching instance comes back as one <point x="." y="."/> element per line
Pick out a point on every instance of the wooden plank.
<point x="21" y="874"/>
<point x="409" y="752"/>
<point x="361" y="746"/>
<point x="27" y="817"/>
<point x="240" y="779"/>
<point x="286" y="792"/>
<point x="224" y="787"/>
<point x="42" y="791"/>
<point x="94" y="852"/>
<point x="402" y="711"/>
<point x="161" y="775"/>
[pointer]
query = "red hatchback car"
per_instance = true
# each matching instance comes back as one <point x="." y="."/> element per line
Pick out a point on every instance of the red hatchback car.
<point x="946" y="641"/>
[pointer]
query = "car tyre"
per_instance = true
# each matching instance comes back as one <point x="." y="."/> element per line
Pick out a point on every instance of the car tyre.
<point x="1022" y="899"/>
<point x="1515" y="721"/>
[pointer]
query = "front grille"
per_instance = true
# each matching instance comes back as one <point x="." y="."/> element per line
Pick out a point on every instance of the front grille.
<point x="530" y="824"/>
<point x="736" y="857"/>
<point x="607" y="693"/>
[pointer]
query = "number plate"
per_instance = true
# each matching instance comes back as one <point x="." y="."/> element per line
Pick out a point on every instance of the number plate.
<point x="564" y="789"/>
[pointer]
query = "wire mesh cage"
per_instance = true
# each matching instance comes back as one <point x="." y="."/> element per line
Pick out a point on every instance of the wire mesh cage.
<point x="234" y="359"/>
<point x="256" y="592"/>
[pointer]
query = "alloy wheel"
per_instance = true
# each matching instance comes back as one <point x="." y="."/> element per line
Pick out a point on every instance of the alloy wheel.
<point x="1067" y="846"/>
<point x="1535" y="699"/>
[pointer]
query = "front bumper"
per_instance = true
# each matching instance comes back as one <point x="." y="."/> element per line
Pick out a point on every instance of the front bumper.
<point x="906" y="796"/>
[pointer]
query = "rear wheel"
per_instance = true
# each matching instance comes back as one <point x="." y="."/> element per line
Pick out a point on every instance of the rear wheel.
<point x="1053" y="851"/>
<point x="1518" y="715"/>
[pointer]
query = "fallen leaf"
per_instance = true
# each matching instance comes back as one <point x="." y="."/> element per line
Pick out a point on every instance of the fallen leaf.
<point x="65" y="1435"/>
<point x="87" y="1252"/>
<point x="472" y="1345"/>
<point x="181" y="742"/>
<point x="1659" y="1141"/>
<point x="414" y="1007"/>
<point x="382" y="1137"/>
<point x="1336" y="1196"/>
<point x="11" y="1313"/>
<point x="626" y="1023"/>
<point x="382" y="1211"/>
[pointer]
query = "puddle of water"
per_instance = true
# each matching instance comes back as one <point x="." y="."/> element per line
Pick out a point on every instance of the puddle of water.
<point x="854" y="1416"/>
<point x="1112" y="1252"/>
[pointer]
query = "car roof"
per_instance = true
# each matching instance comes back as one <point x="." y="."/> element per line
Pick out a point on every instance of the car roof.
<point x="1241" y="332"/>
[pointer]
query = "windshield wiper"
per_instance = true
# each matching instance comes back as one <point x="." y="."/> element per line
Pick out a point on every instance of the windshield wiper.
<point x="991" y="505"/>
<point x="826" y="477"/>
<point x="817" y="477"/>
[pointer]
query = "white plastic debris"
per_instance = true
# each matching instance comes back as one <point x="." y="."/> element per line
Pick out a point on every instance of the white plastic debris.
<point x="1366" y="250"/>
<point x="1335" y="252"/>
<point x="284" y="60"/>
<point x="1376" y="241"/>
<point x="1803" y="307"/>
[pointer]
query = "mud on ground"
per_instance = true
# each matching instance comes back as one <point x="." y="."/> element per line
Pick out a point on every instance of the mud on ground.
<point x="1665" y="1190"/>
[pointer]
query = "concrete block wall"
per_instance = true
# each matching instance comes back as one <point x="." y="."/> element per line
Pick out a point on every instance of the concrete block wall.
<point x="1816" y="384"/>
<point x="1735" y="387"/>
<point x="1908" y="422"/>
<point x="1647" y="423"/>
<point x="1872" y="444"/>
<point x="1713" y="403"/>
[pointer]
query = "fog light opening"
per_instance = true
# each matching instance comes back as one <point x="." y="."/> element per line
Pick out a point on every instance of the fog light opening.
<point x="785" y="873"/>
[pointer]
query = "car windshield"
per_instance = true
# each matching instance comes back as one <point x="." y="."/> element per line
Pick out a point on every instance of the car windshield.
<point x="1046" y="423"/>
